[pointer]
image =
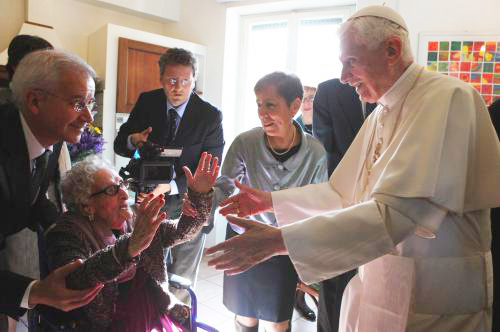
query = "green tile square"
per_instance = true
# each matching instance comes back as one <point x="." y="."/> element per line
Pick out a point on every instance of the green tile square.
<point x="432" y="66"/>
<point x="488" y="67"/>
<point x="444" y="46"/>
<point x="443" y="67"/>
<point x="456" y="46"/>
<point x="432" y="56"/>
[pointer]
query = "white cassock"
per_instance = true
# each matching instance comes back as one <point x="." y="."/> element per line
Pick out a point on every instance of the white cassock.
<point x="409" y="204"/>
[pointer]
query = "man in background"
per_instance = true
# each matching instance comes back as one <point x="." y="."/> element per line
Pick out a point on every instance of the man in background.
<point x="338" y="115"/>
<point x="176" y="116"/>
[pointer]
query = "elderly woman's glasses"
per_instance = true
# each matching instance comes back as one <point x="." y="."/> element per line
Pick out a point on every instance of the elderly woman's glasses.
<point x="78" y="104"/>
<point x="112" y="189"/>
<point x="182" y="82"/>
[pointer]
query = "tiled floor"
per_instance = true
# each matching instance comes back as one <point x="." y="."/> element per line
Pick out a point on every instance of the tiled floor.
<point x="212" y="312"/>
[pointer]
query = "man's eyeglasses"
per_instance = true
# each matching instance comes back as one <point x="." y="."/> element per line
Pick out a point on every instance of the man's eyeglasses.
<point x="174" y="81"/>
<point x="78" y="104"/>
<point x="308" y="99"/>
<point x="112" y="189"/>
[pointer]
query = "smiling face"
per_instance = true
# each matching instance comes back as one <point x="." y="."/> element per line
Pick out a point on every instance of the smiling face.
<point x="178" y="92"/>
<point x="112" y="211"/>
<point x="53" y="112"/>
<point x="364" y="69"/>
<point x="274" y="113"/>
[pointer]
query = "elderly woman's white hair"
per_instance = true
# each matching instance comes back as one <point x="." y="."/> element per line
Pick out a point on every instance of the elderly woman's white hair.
<point x="43" y="70"/>
<point x="371" y="31"/>
<point x="76" y="184"/>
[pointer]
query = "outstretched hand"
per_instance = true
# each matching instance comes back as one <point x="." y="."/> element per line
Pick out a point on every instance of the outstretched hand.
<point x="52" y="290"/>
<point x="146" y="224"/>
<point x="248" y="202"/>
<point x="238" y="254"/>
<point x="205" y="175"/>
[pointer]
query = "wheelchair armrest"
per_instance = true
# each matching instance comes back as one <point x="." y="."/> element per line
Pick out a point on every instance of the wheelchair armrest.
<point x="178" y="282"/>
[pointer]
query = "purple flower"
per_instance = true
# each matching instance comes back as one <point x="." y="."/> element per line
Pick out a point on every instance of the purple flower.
<point x="91" y="142"/>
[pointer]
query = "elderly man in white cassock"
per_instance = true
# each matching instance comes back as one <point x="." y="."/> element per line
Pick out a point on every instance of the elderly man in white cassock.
<point x="409" y="203"/>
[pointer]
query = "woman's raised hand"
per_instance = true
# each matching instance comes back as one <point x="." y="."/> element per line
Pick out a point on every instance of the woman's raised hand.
<point x="148" y="219"/>
<point x="205" y="175"/>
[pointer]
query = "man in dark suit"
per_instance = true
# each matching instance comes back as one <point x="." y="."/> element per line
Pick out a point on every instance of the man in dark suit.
<point x="337" y="117"/>
<point x="53" y="95"/>
<point x="176" y="116"/>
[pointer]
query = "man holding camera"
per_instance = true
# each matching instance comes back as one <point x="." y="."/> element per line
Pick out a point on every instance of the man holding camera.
<point x="175" y="116"/>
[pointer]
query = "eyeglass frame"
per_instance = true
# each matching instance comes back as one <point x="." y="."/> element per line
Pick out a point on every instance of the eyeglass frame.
<point x="172" y="81"/>
<point x="78" y="104"/>
<point x="309" y="99"/>
<point x="115" y="188"/>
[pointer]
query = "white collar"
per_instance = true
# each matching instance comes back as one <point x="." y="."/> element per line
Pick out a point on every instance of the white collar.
<point x="401" y="87"/>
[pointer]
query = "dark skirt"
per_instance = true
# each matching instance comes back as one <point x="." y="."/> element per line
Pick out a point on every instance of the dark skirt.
<point x="266" y="291"/>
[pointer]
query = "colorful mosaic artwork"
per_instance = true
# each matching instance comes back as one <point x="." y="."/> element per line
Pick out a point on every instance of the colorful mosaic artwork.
<point x="476" y="62"/>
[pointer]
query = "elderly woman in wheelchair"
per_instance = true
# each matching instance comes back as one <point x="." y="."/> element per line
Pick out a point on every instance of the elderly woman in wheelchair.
<point x="124" y="250"/>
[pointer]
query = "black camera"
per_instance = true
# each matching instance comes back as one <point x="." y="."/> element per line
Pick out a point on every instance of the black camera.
<point x="151" y="165"/>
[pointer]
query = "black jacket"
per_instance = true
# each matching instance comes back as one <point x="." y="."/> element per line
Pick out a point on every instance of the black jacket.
<point x="200" y="130"/>
<point x="337" y="118"/>
<point x="17" y="210"/>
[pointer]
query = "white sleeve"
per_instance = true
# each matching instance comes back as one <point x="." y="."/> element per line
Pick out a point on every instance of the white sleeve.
<point x="332" y="243"/>
<point x="26" y="296"/>
<point x="294" y="204"/>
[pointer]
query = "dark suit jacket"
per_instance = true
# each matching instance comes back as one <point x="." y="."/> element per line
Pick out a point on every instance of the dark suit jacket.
<point x="200" y="130"/>
<point x="15" y="203"/>
<point x="337" y="118"/>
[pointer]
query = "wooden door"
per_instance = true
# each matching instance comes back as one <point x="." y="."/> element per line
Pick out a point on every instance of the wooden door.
<point x="138" y="71"/>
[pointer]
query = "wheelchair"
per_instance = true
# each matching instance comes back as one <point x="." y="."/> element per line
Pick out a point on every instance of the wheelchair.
<point x="46" y="319"/>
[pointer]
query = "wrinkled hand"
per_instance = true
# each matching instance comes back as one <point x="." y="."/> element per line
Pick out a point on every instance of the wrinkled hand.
<point x="205" y="175"/>
<point x="248" y="202"/>
<point x="161" y="188"/>
<point x="138" y="139"/>
<point x="259" y="243"/>
<point x="52" y="290"/>
<point x="147" y="222"/>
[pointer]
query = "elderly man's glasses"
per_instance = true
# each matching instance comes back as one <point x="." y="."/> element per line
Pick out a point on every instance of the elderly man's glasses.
<point x="182" y="82"/>
<point x="78" y="104"/>
<point x="112" y="189"/>
<point x="308" y="99"/>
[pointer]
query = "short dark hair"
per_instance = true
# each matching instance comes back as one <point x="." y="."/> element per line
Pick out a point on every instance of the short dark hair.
<point x="22" y="45"/>
<point x="177" y="56"/>
<point x="288" y="85"/>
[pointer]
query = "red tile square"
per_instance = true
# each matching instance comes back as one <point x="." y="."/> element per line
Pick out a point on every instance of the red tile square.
<point x="465" y="77"/>
<point x="465" y="66"/>
<point x="486" y="89"/>
<point x="487" y="78"/>
<point x="433" y="46"/>
<point x="455" y="56"/>
<point x="477" y="57"/>
<point x="477" y="45"/>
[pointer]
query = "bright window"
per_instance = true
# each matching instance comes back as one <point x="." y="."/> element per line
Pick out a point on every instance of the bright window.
<point x="304" y="43"/>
